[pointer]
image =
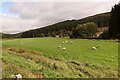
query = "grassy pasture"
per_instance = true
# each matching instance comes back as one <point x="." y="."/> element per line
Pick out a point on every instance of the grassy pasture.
<point x="41" y="57"/>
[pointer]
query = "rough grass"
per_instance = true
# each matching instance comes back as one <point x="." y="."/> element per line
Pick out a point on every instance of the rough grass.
<point x="41" y="57"/>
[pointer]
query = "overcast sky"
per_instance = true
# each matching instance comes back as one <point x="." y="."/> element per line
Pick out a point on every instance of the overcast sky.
<point x="20" y="15"/>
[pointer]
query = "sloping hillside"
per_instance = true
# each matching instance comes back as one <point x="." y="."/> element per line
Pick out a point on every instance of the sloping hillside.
<point x="102" y="20"/>
<point x="3" y="35"/>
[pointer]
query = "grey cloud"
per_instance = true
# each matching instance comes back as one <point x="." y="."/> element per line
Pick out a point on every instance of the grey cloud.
<point x="39" y="14"/>
<point x="17" y="24"/>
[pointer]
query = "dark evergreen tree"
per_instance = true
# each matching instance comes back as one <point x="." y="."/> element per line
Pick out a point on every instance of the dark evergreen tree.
<point x="114" y="29"/>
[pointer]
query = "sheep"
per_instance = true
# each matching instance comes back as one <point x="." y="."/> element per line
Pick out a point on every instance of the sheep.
<point x="59" y="46"/>
<point x="94" y="48"/>
<point x="98" y="46"/>
<point x="21" y="43"/>
<point x="63" y="48"/>
<point x="71" y="42"/>
<point x="18" y="76"/>
<point x="66" y="41"/>
<point x="63" y="42"/>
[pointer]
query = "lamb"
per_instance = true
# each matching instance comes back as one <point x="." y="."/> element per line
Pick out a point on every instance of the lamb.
<point x="63" y="42"/>
<point x="59" y="46"/>
<point x="63" y="48"/>
<point x="94" y="48"/>
<point x="18" y="76"/>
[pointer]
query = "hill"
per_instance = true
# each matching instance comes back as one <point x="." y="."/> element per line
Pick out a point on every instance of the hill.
<point x="64" y="28"/>
<point x="3" y="35"/>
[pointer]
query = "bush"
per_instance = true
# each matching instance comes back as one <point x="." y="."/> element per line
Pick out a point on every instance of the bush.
<point x="87" y="30"/>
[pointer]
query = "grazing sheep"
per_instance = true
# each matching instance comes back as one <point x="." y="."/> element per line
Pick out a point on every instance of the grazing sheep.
<point x="21" y="43"/>
<point x="63" y="48"/>
<point x="18" y="76"/>
<point x="71" y="42"/>
<point x="66" y="41"/>
<point x="94" y="48"/>
<point x="63" y="42"/>
<point x="98" y="46"/>
<point x="59" y="46"/>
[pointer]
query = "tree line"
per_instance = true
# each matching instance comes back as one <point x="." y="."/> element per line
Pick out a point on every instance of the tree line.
<point x="65" y="28"/>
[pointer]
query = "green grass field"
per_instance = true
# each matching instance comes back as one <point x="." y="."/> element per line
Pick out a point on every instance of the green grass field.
<point x="41" y="58"/>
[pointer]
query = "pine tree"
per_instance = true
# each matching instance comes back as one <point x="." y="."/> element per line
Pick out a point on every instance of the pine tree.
<point x="115" y="22"/>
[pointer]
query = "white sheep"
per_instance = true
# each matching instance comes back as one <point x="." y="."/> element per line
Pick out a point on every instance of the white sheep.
<point x="63" y="48"/>
<point x="94" y="48"/>
<point x="66" y="41"/>
<point x="21" y="43"/>
<point x="63" y="42"/>
<point x="71" y="42"/>
<point x="18" y="76"/>
<point x="59" y="46"/>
